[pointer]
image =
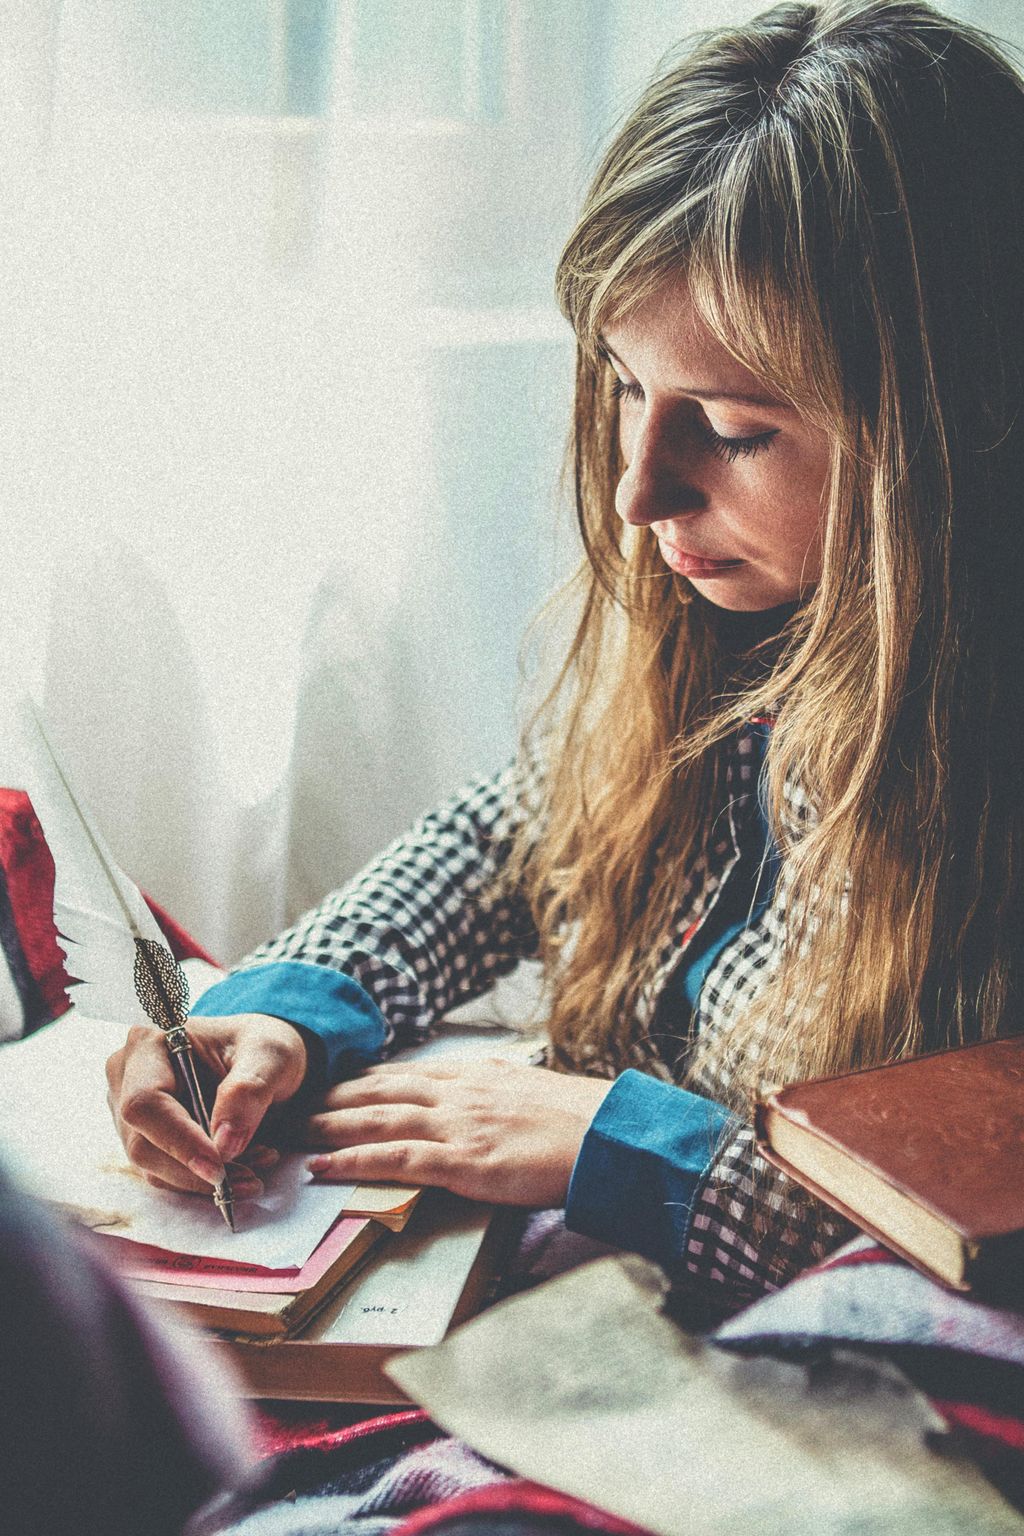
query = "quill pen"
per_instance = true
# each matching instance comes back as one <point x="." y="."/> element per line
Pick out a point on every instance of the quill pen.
<point x="117" y="958"/>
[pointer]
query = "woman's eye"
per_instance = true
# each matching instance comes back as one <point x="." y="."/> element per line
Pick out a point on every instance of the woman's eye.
<point x="727" y="448"/>
<point x="730" y="448"/>
<point x="623" y="391"/>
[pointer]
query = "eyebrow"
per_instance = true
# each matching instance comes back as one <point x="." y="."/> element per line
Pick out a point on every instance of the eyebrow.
<point x="705" y="392"/>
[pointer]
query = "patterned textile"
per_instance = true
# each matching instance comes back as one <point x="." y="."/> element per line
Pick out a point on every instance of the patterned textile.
<point x="968" y="1358"/>
<point x="317" y="1492"/>
<point x="425" y="927"/>
<point x="395" y="1473"/>
<point x="863" y="1294"/>
<point x="966" y="1355"/>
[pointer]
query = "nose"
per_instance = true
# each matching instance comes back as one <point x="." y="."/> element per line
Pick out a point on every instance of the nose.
<point x="658" y="482"/>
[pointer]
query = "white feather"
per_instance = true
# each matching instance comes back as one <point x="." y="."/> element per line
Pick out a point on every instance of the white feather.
<point x="97" y="910"/>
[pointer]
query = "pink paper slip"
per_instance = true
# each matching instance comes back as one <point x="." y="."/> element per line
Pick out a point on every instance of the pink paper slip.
<point x="141" y="1262"/>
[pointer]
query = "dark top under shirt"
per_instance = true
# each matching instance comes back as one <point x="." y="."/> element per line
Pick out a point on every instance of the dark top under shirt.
<point x="748" y="888"/>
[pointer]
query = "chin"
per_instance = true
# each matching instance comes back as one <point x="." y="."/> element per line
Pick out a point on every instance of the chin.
<point x="751" y="596"/>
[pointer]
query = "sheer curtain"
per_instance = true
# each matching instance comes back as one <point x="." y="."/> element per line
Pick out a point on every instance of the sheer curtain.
<point x="285" y="402"/>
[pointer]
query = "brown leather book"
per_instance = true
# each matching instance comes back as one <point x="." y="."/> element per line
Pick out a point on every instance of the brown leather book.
<point x="926" y="1155"/>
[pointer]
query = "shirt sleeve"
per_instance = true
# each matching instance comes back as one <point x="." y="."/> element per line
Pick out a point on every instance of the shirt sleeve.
<point x="426" y="926"/>
<point x="343" y="1028"/>
<point x="753" y="1228"/>
<point x="674" y="1176"/>
<point x="640" y="1165"/>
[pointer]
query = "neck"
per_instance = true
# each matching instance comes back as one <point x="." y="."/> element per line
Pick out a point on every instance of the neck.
<point x="738" y="633"/>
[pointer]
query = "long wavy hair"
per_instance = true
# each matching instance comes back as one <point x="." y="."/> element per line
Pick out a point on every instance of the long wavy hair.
<point x="842" y="185"/>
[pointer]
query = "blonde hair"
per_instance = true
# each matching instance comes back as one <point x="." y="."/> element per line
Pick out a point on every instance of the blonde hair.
<point x="843" y="186"/>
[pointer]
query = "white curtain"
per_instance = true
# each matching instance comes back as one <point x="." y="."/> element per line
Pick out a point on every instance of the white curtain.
<point x="284" y="401"/>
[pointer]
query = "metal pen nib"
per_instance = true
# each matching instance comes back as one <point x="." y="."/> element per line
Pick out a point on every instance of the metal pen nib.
<point x="224" y="1201"/>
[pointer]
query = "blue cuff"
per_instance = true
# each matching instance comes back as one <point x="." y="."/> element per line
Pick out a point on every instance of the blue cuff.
<point x="642" y="1161"/>
<point x="344" y="1021"/>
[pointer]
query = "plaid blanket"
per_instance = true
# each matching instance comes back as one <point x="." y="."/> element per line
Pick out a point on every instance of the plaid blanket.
<point x="967" y="1356"/>
<point x="400" y="1474"/>
<point x="397" y="1473"/>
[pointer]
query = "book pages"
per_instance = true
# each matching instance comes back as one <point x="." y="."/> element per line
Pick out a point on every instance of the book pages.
<point x="58" y="1139"/>
<point x="407" y="1293"/>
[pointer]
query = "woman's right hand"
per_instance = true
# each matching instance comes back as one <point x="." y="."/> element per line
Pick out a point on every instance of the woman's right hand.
<point x="257" y="1061"/>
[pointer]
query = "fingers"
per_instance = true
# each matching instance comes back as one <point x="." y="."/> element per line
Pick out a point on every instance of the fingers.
<point x="384" y="1086"/>
<point x="163" y="1173"/>
<point x="393" y="1162"/>
<point x="410" y="1069"/>
<point x="241" y="1189"/>
<point x="414" y="1084"/>
<point x="158" y="1133"/>
<point x="264" y="1069"/>
<point x="378" y="1123"/>
<point x="262" y="1059"/>
<point x="471" y="1066"/>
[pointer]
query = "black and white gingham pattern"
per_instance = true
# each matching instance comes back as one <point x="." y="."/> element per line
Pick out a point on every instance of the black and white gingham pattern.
<point x="753" y="1228"/>
<point x="422" y="930"/>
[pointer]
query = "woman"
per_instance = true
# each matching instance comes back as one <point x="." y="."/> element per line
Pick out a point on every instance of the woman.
<point x="769" y="824"/>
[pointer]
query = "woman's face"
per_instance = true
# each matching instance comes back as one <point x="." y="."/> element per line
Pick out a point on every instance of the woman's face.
<point x="729" y="479"/>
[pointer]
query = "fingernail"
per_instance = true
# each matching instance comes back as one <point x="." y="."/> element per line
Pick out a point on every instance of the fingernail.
<point x="264" y="1157"/>
<point x="229" y="1139"/>
<point x="318" y="1164"/>
<point x="205" y="1168"/>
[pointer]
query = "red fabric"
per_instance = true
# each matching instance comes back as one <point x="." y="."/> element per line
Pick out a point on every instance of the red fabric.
<point x="285" y="1429"/>
<point x="183" y="945"/>
<point x="28" y="868"/>
<point x="874" y="1255"/>
<point x="29" y="872"/>
<point x="1002" y="1429"/>
<point x="521" y="1498"/>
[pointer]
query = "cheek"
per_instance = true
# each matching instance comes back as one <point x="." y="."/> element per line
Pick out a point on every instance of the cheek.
<point x="786" y="507"/>
<point x="808" y="520"/>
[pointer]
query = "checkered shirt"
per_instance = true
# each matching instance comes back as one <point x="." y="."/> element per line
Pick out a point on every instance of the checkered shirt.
<point x="426" y="927"/>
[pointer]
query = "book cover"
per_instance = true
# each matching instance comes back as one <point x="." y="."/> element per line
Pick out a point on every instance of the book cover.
<point x="927" y="1155"/>
<point x="257" y="1304"/>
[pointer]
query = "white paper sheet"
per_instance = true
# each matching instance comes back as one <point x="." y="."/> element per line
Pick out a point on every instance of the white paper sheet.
<point x="58" y="1139"/>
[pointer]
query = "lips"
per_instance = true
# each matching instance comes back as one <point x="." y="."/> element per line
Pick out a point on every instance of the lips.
<point x="695" y="566"/>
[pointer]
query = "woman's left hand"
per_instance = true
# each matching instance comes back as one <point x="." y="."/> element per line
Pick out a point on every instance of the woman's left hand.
<point x="491" y="1130"/>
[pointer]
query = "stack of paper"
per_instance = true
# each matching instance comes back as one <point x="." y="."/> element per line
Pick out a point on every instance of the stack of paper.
<point x="293" y="1244"/>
